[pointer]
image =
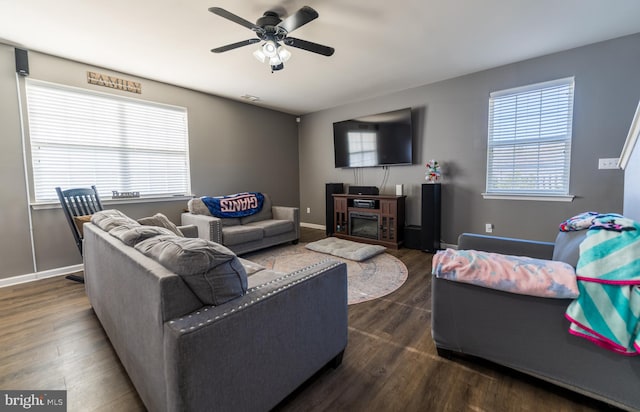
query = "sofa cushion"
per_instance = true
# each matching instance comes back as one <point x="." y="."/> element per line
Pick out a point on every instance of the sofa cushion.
<point x="230" y="221"/>
<point x="110" y="218"/>
<point x="567" y="246"/>
<point x="273" y="227"/>
<point x="264" y="213"/>
<point x="346" y="249"/>
<point x="131" y="235"/>
<point x="160" y="220"/>
<point x="250" y="267"/>
<point x="197" y="207"/>
<point x="235" y="235"/>
<point x="212" y="272"/>
<point x="80" y="221"/>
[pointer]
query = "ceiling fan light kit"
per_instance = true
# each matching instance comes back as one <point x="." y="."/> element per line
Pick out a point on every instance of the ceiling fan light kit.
<point x="274" y="31"/>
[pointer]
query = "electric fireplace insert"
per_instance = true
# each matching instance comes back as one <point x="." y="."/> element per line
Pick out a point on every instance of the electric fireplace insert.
<point x="364" y="225"/>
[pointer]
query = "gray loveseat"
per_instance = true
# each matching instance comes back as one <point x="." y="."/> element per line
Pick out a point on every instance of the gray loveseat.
<point x="528" y="333"/>
<point x="209" y="338"/>
<point x="271" y="226"/>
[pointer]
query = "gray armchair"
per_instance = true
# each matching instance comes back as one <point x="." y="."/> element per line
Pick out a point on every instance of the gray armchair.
<point x="528" y="333"/>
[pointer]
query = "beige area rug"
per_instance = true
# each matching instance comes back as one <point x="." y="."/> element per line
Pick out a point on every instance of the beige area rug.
<point x="369" y="279"/>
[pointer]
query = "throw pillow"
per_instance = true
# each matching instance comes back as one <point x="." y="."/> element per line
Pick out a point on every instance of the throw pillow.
<point x="213" y="272"/>
<point x="197" y="207"/>
<point x="110" y="218"/>
<point x="160" y="220"/>
<point x="131" y="235"/>
<point x="80" y="221"/>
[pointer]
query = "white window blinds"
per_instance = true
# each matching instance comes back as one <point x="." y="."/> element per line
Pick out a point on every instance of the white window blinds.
<point x="529" y="143"/>
<point x="79" y="138"/>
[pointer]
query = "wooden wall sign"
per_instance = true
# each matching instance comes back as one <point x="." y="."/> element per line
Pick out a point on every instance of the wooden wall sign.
<point x="114" y="82"/>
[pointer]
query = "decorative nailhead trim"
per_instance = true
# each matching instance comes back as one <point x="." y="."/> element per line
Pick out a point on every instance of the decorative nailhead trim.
<point x="288" y="275"/>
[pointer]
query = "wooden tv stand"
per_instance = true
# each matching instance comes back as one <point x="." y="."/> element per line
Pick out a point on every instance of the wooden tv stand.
<point x="369" y="218"/>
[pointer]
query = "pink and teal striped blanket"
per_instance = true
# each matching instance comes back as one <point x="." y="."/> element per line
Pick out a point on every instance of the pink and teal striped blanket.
<point x="607" y="311"/>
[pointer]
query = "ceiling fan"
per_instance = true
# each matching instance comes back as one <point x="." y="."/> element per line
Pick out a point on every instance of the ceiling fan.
<point x="274" y="32"/>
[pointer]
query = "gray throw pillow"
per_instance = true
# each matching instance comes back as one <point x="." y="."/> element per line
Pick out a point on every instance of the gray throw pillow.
<point x="110" y="218"/>
<point x="213" y="272"/>
<point x="131" y="235"/>
<point x="160" y="220"/>
<point x="197" y="207"/>
<point x="567" y="246"/>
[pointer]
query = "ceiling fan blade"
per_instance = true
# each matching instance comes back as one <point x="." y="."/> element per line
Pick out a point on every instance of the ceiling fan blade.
<point x="234" y="45"/>
<point x="298" y="19"/>
<point x="309" y="46"/>
<point x="236" y="19"/>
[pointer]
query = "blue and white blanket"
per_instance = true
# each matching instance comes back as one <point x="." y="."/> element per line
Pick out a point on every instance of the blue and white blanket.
<point x="607" y="312"/>
<point x="237" y="205"/>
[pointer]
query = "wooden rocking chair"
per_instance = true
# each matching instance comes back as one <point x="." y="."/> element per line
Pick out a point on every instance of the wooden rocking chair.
<point x="78" y="206"/>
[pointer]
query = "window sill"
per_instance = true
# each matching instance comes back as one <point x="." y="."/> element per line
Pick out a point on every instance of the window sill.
<point x="539" y="198"/>
<point x="105" y="202"/>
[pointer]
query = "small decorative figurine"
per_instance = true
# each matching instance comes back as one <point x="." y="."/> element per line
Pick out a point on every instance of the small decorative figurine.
<point x="433" y="172"/>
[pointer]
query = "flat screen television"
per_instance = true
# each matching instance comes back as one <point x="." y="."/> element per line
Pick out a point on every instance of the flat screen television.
<point x="382" y="139"/>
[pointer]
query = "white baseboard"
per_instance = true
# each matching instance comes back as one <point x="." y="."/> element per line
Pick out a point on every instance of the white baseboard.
<point x="313" y="226"/>
<point x="30" y="277"/>
<point x="448" y="246"/>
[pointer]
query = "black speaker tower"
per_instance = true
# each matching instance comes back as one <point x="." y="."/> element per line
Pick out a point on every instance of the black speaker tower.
<point x="22" y="62"/>
<point x="431" y="193"/>
<point x="332" y="188"/>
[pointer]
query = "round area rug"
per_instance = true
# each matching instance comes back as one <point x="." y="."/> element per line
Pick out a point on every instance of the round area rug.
<point x="370" y="279"/>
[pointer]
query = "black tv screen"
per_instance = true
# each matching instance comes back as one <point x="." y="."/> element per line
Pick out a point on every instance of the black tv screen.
<point x="378" y="140"/>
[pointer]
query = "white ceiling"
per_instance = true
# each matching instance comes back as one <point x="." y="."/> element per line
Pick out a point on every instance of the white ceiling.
<point x="381" y="46"/>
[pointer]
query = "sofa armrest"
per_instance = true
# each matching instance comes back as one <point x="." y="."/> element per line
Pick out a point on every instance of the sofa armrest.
<point x="288" y="213"/>
<point x="189" y="230"/>
<point x="266" y="342"/>
<point x="506" y="246"/>
<point x="209" y="227"/>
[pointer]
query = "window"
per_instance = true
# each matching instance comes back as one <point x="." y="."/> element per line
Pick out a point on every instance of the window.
<point x="79" y="138"/>
<point x="529" y="145"/>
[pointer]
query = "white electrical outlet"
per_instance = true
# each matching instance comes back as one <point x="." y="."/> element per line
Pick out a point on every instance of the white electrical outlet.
<point x="308" y="210"/>
<point x="488" y="227"/>
<point x="608" y="163"/>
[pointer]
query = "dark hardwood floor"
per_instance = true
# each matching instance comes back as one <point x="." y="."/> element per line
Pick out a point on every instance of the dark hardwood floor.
<point x="51" y="339"/>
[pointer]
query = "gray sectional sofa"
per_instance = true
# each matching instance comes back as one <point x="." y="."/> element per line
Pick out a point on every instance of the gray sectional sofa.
<point x="195" y="332"/>
<point x="528" y="333"/>
<point x="273" y="225"/>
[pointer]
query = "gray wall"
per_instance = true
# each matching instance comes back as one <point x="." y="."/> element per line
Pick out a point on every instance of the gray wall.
<point x="233" y="147"/>
<point x="631" y="186"/>
<point x="451" y="127"/>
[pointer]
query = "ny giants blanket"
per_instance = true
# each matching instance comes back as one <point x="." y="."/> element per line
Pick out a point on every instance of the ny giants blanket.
<point x="237" y="205"/>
